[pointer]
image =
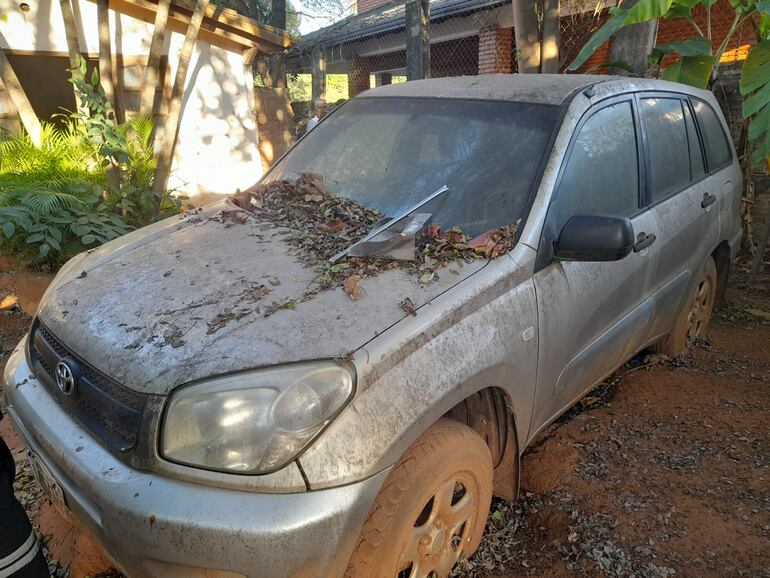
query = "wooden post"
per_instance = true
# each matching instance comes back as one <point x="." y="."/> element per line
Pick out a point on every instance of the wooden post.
<point x="277" y="70"/>
<point x="171" y="125"/>
<point x="550" y="45"/>
<point x="318" y="74"/>
<point x="71" y="31"/>
<point x="18" y="97"/>
<point x="105" y="51"/>
<point x="417" y="39"/>
<point x="151" y="74"/>
<point x="527" y="36"/>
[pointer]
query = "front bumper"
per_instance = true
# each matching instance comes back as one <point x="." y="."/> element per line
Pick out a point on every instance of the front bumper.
<point x="154" y="526"/>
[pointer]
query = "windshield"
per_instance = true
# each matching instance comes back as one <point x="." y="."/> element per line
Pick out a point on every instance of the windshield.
<point x="389" y="153"/>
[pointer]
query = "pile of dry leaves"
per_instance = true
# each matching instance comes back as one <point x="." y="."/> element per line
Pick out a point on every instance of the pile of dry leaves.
<point x="321" y="225"/>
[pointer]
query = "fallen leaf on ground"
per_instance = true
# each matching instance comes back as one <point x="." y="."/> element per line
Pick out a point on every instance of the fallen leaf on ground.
<point x="8" y="302"/>
<point x="352" y="287"/>
<point x="408" y="307"/>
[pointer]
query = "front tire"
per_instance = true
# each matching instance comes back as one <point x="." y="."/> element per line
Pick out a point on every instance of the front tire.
<point x="431" y="510"/>
<point x="693" y="321"/>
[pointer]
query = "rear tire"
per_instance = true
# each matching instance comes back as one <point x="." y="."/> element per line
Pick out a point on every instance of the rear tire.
<point x="431" y="510"/>
<point x="694" y="318"/>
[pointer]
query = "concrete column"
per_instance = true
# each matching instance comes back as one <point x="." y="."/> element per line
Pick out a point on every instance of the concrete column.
<point x="318" y="73"/>
<point x="417" y="39"/>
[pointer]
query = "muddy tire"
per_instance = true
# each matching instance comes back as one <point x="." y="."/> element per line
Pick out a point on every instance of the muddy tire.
<point x="431" y="510"/>
<point x="693" y="320"/>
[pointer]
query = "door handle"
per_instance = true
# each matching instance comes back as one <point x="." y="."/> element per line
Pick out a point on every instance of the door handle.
<point x="708" y="199"/>
<point x="643" y="241"/>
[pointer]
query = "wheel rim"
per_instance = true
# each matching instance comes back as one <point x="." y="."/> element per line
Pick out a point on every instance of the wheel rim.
<point x="441" y="530"/>
<point x="701" y="304"/>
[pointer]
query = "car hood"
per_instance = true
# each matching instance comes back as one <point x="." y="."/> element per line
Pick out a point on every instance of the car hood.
<point x="200" y="295"/>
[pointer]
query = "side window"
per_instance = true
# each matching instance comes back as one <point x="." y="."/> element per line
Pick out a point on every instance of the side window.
<point x="667" y="145"/>
<point x="715" y="140"/>
<point x="697" y="167"/>
<point x="602" y="172"/>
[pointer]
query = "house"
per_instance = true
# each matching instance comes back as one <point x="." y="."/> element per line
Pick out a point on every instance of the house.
<point x="219" y="145"/>
<point x="471" y="37"/>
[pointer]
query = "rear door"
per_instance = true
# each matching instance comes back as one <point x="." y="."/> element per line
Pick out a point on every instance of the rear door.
<point x="683" y="198"/>
<point x="592" y="315"/>
<point x="725" y="179"/>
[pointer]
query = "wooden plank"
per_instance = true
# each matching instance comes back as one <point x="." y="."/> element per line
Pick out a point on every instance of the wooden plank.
<point x="221" y="27"/>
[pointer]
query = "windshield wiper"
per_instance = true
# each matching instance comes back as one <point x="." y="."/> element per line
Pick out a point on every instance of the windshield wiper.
<point x="400" y="238"/>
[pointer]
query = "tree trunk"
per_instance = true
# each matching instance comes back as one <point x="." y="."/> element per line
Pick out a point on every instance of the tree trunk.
<point x="105" y="56"/>
<point x="632" y="45"/>
<point x="278" y="14"/>
<point x="19" y="99"/>
<point x="171" y="125"/>
<point x="151" y="74"/>
<point x="527" y="36"/>
<point x="759" y="256"/>
<point x="71" y="31"/>
<point x="105" y="76"/>
<point x="550" y="45"/>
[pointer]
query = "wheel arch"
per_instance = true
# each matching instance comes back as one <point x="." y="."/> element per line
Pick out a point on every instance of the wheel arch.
<point x="490" y="412"/>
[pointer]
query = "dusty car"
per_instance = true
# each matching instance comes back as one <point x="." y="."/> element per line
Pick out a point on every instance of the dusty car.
<point x="217" y="394"/>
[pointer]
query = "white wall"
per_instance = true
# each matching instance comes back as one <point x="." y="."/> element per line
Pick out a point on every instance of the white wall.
<point x="217" y="150"/>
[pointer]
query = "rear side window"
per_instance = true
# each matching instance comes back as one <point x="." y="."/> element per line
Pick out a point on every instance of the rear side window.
<point x="667" y="145"/>
<point x="697" y="167"/>
<point x="714" y="138"/>
<point x="602" y="173"/>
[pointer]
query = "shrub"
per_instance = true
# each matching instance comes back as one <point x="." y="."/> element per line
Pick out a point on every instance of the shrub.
<point x="88" y="182"/>
<point x="51" y="205"/>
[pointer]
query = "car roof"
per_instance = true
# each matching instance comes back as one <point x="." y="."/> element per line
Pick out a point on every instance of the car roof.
<point x="540" y="88"/>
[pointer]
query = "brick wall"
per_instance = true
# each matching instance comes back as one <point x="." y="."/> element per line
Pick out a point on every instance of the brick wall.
<point x="495" y="50"/>
<point x="366" y="5"/>
<point x="358" y="76"/>
<point x="722" y="15"/>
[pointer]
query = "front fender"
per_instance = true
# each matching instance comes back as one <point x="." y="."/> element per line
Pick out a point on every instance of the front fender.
<point x="466" y="340"/>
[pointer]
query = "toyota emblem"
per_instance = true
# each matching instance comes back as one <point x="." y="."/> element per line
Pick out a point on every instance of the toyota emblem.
<point x="65" y="378"/>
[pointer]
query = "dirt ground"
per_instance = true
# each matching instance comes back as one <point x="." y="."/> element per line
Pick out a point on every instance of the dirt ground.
<point x="662" y="471"/>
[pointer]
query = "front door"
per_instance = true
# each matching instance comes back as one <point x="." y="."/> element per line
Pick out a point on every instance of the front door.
<point x="592" y="315"/>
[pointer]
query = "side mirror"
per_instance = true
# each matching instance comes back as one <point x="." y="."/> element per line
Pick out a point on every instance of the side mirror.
<point x="595" y="238"/>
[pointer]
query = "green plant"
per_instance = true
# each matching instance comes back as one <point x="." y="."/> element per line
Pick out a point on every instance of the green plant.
<point x="51" y="205"/>
<point x="698" y="62"/>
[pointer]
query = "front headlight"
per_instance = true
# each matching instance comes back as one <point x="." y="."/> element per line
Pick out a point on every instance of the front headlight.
<point x="254" y="422"/>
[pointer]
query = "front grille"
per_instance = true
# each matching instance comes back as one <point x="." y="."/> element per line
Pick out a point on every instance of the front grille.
<point x="111" y="411"/>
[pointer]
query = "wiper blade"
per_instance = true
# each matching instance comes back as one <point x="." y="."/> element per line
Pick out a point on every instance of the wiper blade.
<point x="403" y="214"/>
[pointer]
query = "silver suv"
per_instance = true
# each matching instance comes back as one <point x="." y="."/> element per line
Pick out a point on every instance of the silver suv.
<point x="204" y="407"/>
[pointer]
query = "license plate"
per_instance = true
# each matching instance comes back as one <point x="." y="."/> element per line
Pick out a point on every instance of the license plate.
<point x="50" y="486"/>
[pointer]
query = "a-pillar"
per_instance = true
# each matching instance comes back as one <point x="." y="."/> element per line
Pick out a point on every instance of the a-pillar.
<point x="495" y="50"/>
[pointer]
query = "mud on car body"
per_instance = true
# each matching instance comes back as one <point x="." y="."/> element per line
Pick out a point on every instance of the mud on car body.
<point x="204" y="407"/>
